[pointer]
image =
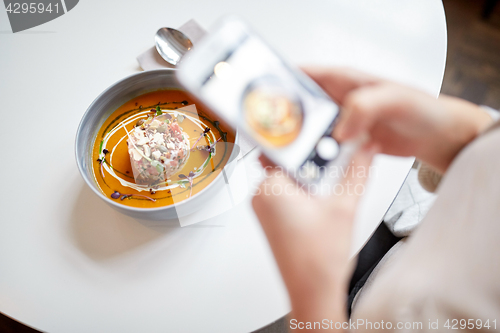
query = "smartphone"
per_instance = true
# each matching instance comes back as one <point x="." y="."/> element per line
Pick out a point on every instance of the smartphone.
<point x="236" y="74"/>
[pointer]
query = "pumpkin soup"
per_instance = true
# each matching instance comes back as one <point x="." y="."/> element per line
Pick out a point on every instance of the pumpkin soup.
<point x="159" y="149"/>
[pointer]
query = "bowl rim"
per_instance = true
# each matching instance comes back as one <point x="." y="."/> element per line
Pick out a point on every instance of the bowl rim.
<point x="113" y="202"/>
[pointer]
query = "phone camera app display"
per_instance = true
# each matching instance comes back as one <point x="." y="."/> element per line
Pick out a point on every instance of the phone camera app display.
<point x="272" y="112"/>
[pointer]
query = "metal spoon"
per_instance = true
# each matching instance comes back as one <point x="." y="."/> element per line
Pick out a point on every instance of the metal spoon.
<point x="172" y="44"/>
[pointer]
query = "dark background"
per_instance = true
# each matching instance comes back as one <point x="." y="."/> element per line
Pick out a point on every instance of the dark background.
<point x="472" y="72"/>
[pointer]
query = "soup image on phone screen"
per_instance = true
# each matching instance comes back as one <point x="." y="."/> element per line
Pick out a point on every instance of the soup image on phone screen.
<point x="273" y="114"/>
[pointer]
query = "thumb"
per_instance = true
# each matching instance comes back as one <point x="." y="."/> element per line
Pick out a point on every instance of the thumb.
<point x="354" y="181"/>
<point x="363" y="108"/>
<point x="337" y="82"/>
<point x="275" y="191"/>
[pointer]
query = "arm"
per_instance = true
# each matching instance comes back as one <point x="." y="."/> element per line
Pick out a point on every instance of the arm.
<point x="402" y="120"/>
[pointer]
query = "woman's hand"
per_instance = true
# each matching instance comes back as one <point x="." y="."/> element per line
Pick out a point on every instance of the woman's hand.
<point x="401" y="120"/>
<point x="310" y="238"/>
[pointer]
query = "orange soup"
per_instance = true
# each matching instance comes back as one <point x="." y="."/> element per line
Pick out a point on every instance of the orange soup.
<point x="159" y="149"/>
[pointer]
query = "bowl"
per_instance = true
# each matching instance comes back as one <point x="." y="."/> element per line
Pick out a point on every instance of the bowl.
<point x="101" y="108"/>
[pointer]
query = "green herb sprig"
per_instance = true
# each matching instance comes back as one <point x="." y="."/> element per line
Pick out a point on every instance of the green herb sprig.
<point x="158" y="111"/>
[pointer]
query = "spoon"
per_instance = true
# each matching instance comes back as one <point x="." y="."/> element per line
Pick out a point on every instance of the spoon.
<point x="172" y="44"/>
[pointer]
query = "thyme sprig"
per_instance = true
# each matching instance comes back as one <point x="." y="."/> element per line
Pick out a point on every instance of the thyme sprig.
<point x="121" y="196"/>
<point x="204" y="133"/>
<point x="102" y="159"/>
<point x="211" y="147"/>
<point x="189" y="178"/>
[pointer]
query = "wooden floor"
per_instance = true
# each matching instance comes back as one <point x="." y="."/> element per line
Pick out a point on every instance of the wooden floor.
<point x="472" y="72"/>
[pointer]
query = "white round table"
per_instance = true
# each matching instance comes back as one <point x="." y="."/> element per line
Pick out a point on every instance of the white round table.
<point x="69" y="263"/>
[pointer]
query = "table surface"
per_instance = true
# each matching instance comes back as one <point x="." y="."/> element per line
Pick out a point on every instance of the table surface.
<point x="69" y="263"/>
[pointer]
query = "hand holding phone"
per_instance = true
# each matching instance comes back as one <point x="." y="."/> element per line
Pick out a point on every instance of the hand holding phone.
<point x="235" y="73"/>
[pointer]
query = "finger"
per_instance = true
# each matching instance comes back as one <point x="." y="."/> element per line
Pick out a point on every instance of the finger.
<point x="353" y="184"/>
<point x="361" y="161"/>
<point x="275" y="195"/>
<point x="337" y="81"/>
<point x="265" y="162"/>
<point x="363" y="108"/>
<point x="277" y="185"/>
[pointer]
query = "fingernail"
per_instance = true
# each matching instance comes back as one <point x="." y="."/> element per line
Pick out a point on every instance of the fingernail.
<point x="338" y="133"/>
<point x="371" y="148"/>
<point x="348" y="132"/>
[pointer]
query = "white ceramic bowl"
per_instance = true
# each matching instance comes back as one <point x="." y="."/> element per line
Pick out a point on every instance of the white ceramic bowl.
<point x="102" y="107"/>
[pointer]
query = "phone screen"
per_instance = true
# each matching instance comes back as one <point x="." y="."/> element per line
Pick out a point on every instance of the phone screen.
<point x="248" y="84"/>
